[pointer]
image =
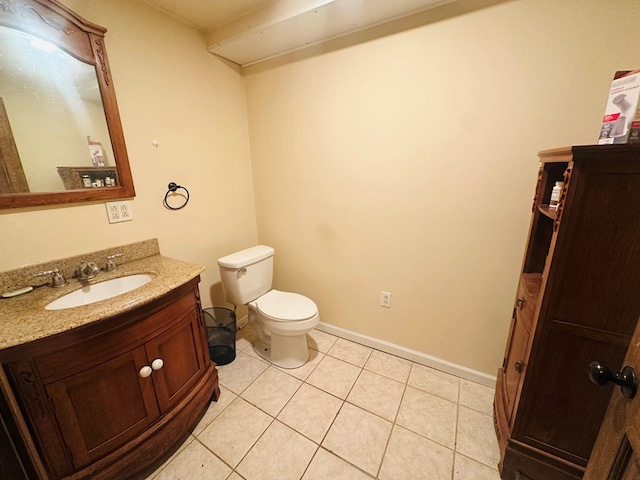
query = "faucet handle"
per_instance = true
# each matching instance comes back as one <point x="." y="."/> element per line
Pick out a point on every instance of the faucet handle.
<point x="57" y="279"/>
<point x="111" y="265"/>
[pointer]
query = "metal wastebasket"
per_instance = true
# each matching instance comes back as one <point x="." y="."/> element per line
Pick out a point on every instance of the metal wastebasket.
<point x="221" y="334"/>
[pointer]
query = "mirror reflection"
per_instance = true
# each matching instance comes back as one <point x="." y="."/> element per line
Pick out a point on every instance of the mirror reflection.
<point x="53" y="129"/>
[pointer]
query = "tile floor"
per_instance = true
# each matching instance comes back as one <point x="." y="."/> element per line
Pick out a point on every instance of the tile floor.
<point x="350" y="413"/>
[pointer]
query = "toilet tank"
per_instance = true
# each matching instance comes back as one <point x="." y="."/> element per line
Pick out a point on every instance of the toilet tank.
<point x="247" y="274"/>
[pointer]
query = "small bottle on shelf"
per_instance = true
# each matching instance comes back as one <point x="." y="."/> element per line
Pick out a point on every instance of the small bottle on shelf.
<point x="555" y="195"/>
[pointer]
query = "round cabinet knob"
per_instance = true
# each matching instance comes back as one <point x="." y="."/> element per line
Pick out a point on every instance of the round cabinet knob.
<point x="145" y="371"/>
<point x="157" y="364"/>
<point x="519" y="365"/>
<point x="600" y="374"/>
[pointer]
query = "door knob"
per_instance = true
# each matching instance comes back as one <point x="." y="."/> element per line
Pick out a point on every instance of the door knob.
<point x="626" y="379"/>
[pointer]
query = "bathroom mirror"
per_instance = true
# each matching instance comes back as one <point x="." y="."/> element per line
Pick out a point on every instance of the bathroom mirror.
<point x="61" y="140"/>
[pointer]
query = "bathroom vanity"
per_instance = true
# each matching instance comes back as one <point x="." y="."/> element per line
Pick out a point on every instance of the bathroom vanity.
<point x="576" y="302"/>
<point x="107" y="389"/>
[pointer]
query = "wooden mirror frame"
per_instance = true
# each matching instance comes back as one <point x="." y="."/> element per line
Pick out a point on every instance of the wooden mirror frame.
<point x="84" y="40"/>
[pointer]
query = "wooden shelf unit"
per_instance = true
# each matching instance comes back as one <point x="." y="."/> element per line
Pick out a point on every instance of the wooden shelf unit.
<point x="576" y="301"/>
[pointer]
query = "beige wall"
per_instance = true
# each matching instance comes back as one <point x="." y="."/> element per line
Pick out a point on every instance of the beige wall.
<point x="170" y="89"/>
<point x="399" y="159"/>
<point x="406" y="160"/>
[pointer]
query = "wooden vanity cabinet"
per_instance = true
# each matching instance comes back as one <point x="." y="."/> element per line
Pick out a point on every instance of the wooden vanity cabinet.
<point x="110" y="398"/>
<point x="577" y="301"/>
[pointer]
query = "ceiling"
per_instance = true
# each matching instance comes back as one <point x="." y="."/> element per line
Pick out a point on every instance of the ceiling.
<point x="249" y="31"/>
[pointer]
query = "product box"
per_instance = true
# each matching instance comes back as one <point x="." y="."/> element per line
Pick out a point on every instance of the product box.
<point x="621" y="121"/>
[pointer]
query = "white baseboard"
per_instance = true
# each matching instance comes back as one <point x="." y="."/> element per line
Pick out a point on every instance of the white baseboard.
<point x="412" y="355"/>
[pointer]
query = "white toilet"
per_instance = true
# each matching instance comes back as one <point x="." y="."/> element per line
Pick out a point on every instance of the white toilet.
<point x="281" y="319"/>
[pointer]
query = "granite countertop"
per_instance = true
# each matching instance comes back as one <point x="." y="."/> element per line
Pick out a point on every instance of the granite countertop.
<point x="24" y="318"/>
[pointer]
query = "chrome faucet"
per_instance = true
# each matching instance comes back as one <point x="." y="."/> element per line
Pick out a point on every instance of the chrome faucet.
<point x="86" y="270"/>
<point x="57" y="279"/>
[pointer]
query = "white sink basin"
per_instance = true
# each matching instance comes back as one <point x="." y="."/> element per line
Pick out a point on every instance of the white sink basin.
<point x="100" y="291"/>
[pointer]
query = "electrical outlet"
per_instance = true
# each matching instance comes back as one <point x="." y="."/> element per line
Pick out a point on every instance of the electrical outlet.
<point x="385" y="299"/>
<point x="119" y="211"/>
<point x="114" y="212"/>
<point x="124" y="211"/>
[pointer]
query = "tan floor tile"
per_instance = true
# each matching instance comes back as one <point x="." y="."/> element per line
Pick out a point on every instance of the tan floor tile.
<point x="280" y="454"/>
<point x="233" y="433"/>
<point x="468" y="469"/>
<point x="476" y="437"/>
<point x="476" y="397"/>
<point x="320" y="341"/>
<point x="351" y="352"/>
<point x="272" y="390"/>
<point x="377" y="394"/>
<point x="334" y="376"/>
<point x="326" y="466"/>
<point x="195" y="462"/>
<point x="430" y="416"/>
<point x="240" y="373"/>
<point x="357" y="441"/>
<point x="311" y="412"/>
<point x="435" y="382"/>
<point x="388" y="365"/>
<point x="410" y="456"/>
<point x="359" y="437"/>
<point x="214" y="409"/>
<point x="184" y="445"/>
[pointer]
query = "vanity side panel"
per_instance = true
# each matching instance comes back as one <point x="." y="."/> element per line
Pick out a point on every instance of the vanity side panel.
<point x="35" y="406"/>
<point x="19" y="458"/>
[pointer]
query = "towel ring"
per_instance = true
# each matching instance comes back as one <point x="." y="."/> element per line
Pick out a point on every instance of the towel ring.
<point x="172" y="188"/>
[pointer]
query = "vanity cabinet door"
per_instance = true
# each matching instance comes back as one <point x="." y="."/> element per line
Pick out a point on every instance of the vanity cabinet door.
<point x="101" y="408"/>
<point x="177" y="359"/>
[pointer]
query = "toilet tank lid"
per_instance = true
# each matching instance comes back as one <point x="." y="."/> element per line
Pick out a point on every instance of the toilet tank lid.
<point x="246" y="257"/>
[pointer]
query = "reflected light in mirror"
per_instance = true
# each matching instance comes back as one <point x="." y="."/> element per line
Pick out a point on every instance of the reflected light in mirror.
<point x="53" y="106"/>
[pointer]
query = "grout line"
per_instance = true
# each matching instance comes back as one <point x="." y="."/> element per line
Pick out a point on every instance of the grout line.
<point x="455" y="435"/>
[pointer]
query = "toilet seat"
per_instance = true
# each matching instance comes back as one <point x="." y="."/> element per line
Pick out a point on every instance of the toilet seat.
<point x="286" y="306"/>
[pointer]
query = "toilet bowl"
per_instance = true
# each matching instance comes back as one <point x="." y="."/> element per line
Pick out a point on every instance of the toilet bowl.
<point x="281" y="319"/>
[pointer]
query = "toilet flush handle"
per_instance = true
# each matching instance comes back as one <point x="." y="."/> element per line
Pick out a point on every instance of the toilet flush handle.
<point x="241" y="272"/>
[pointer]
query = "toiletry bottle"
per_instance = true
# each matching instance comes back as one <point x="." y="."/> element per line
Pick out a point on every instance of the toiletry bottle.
<point x="555" y="195"/>
<point x="97" y="155"/>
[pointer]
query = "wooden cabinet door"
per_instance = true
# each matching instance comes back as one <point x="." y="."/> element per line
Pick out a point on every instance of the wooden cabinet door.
<point x="514" y="361"/>
<point x="182" y="357"/>
<point x="616" y="454"/>
<point x="101" y="408"/>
